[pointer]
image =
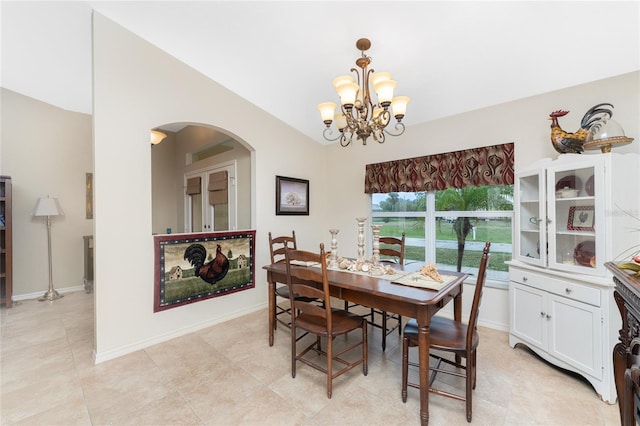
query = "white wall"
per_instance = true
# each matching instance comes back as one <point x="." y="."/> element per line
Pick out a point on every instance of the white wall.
<point x="523" y="122"/>
<point x="47" y="151"/>
<point x="137" y="86"/>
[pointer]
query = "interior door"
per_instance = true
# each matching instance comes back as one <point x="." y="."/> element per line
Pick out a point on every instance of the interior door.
<point x="210" y="200"/>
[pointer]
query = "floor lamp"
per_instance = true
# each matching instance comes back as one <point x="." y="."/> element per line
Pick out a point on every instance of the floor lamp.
<point x="49" y="207"/>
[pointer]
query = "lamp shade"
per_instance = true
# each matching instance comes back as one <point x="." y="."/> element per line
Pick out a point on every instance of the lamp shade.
<point x="157" y="137"/>
<point x="327" y="110"/>
<point x="48" y="207"/>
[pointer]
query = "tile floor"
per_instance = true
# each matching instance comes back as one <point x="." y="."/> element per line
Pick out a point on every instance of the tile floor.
<point x="228" y="375"/>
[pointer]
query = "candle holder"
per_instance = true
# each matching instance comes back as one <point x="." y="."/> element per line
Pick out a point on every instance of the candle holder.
<point x="333" y="259"/>
<point x="361" y="221"/>
<point x="376" y="268"/>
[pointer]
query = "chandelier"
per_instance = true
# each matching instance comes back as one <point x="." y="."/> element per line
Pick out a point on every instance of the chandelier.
<point x="359" y="116"/>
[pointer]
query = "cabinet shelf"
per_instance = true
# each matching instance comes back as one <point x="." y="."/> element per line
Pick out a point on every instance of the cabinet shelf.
<point x="577" y="233"/>
<point x="573" y="199"/>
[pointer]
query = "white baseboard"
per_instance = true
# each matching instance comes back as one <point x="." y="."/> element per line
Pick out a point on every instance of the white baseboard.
<point x="99" y="357"/>
<point x="29" y="296"/>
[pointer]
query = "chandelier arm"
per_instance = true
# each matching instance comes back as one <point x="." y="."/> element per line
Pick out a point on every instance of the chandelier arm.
<point x="328" y="131"/>
<point x="344" y="141"/>
<point x="399" y="127"/>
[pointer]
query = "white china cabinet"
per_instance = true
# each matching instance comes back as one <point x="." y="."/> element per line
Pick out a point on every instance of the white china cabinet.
<point x="573" y="214"/>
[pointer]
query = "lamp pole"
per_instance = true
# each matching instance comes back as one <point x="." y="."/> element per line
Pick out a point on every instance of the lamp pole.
<point x="51" y="294"/>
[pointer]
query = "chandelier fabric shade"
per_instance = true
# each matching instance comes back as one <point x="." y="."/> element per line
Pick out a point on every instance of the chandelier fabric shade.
<point x="359" y="115"/>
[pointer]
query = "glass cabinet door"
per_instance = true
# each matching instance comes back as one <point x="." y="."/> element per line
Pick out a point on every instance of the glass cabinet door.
<point x="531" y="233"/>
<point x="573" y="212"/>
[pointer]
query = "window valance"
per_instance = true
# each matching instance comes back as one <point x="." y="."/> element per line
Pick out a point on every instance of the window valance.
<point x="489" y="165"/>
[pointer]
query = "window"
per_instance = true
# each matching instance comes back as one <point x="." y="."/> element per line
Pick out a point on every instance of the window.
<point x="449" y="227"/>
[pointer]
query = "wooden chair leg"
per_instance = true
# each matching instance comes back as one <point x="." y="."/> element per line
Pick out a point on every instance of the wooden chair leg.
<point x="469" y="391"/>
<point x="473" y="356"/>
<point x="365" y="349"/>
<point x="405" y="367"/>
<point x="329" y="366"/>
<point x="384" y="330"/>
<point x="293" y="352"/>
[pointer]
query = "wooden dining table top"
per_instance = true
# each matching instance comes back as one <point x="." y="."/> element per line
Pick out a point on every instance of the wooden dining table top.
<point x="345" y="284"/>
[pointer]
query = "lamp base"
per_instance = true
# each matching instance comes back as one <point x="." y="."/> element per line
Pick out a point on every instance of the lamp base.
<point x="50" y="295"/>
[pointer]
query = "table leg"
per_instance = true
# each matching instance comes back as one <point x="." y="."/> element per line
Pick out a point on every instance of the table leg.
<point x="272" y="307"/>
<point x="423" y="357"/>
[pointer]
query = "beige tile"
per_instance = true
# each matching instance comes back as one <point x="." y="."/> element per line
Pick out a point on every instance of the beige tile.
<point x="38" y="396"/>
<point x="227" y="374"/>
<point x="71" y="413"/>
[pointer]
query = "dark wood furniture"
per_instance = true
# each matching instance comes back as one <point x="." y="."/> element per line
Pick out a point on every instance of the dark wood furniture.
<point x="320" y="319"/>
<point x="6" y="263"/>
<point x="626" y="361"/>
<point x="380" y="293"/>
<point x="454" y="337"/>
<point x="276" y="250"/>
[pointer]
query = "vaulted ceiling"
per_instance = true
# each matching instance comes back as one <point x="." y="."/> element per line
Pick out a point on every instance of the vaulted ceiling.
<point x="448" y="56"/>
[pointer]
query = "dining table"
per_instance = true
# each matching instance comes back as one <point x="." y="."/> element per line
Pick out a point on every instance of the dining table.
<point x="384" y="292"/>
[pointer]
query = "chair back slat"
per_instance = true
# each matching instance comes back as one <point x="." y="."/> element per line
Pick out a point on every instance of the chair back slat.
<point x="277" y="245"/>
<point x="393" y="247"/>
<point x="477" y="295"/>
<point x="302" y="281"/>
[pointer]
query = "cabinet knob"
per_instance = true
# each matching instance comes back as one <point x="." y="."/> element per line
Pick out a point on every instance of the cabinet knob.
<point x="524" y="279"/>
<point x="548" y="316"/>
<point x="568" y="290"/>
<point x="542" y="314"/>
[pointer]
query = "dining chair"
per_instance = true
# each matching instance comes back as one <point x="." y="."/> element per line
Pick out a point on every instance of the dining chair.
<point x="393" y="250"/>
<point x="320" y="319"/>
<point x="453" y="337"/>
<point x="277" y="250"/>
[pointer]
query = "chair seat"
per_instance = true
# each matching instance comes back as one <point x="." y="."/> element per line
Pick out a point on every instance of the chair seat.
<point x="445" y="334"/>
<point x="283" y="291"/>
<point x="342" y="322"/>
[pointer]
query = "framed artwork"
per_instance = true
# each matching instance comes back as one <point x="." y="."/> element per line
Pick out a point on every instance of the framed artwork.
<point x="194" y="267"/>
<point x="89" y="195"/>
<point x="581" y="218"/>
<point x="292" y="196"/>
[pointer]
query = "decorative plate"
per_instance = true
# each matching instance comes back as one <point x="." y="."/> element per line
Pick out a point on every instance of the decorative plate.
<point x="588" y="186"/>
<point x="571" y="181"/>
<point x="585" y="254"/>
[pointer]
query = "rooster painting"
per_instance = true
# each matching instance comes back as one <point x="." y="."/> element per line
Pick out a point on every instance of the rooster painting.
<point x="565" y="142"/>
<point x="211" y="272"/>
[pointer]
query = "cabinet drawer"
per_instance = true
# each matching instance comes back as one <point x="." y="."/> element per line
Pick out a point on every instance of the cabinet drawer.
<point x="557" y="286"/>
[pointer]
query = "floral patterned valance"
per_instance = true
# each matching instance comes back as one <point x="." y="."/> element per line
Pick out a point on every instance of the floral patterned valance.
<point x="489" y="165"/>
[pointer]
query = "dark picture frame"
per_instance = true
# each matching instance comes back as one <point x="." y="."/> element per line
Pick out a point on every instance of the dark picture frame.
<point x="178" y="282"/>
<point x="292" y="196"/>
<point x="581" y="218"/>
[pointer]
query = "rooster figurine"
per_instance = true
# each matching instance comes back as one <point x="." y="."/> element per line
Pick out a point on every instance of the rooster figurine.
<point x="211" y="272"/>
<point x="565" y="142"/>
